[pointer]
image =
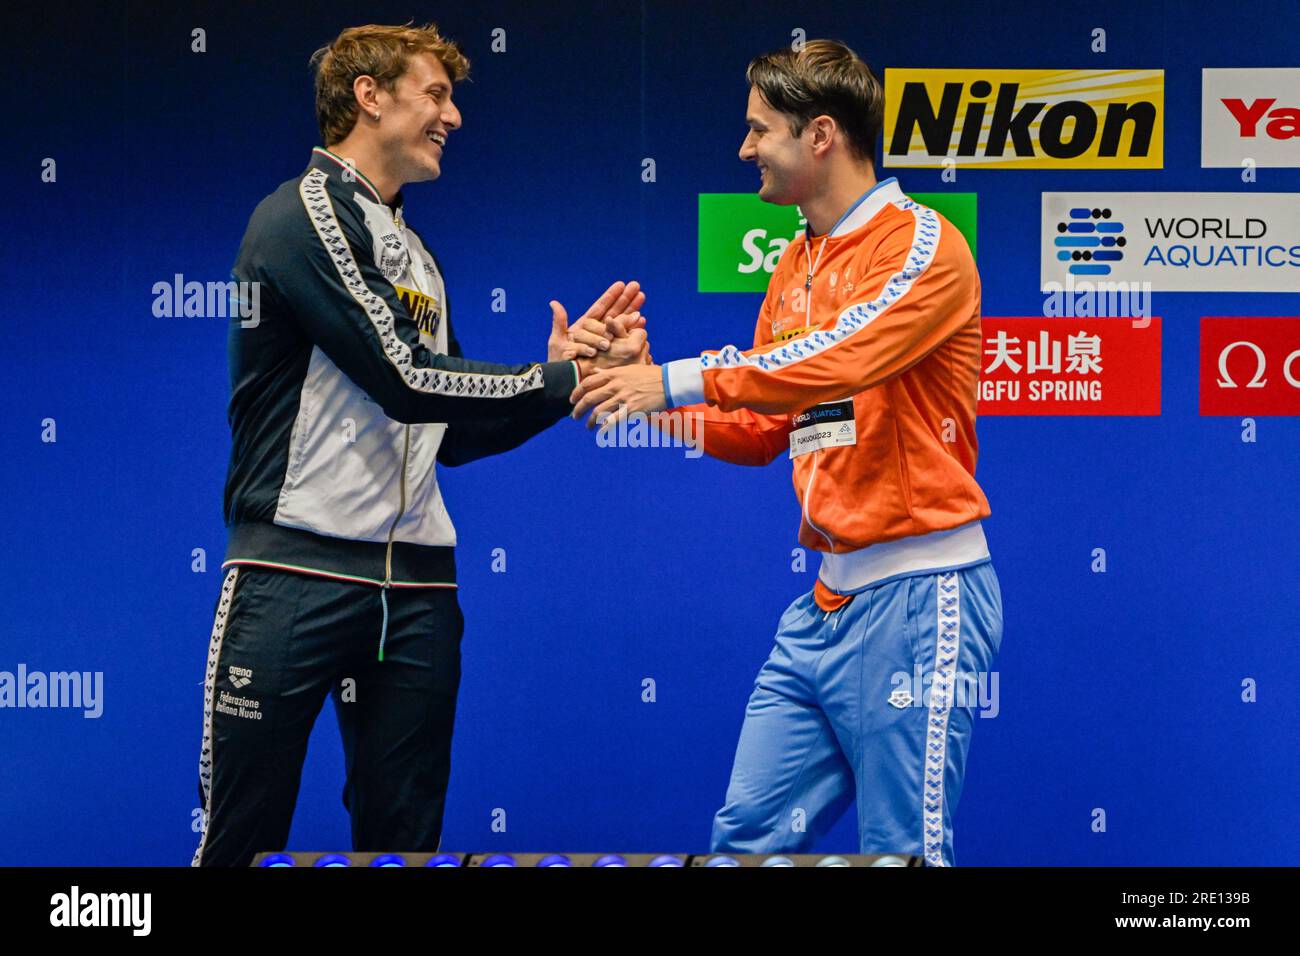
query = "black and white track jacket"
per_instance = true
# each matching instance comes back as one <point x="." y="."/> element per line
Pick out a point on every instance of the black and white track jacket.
<point x="347" y="386"/>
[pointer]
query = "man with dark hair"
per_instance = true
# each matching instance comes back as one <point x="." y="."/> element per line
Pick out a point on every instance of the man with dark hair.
<point x="864" y="366"/>
<point x="339" y="568"/>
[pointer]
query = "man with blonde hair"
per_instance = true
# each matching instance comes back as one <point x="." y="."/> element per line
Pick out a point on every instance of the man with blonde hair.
<point x="865" y="362"/>
<point x="345" y="391"/>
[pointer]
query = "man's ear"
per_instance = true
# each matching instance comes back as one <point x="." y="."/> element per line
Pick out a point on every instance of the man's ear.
<point x="824" y="130"/>
<point x="827" y="129"/>
<point x="366" y="90"/>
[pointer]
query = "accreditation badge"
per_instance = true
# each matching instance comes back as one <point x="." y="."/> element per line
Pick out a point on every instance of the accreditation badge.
<point x="823" y="426"/>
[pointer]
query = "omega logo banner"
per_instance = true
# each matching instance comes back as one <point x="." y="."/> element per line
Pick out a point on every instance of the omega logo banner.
<point x="1177" y="242"/>
<point x="1250" y="366"/>
<point x="1250" y="115"/>
<point x="1054" y="366"/>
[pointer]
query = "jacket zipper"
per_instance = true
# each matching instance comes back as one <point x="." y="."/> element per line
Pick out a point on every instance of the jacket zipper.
<point x="812" y="268"/>
<point x="807" y="500"/>
<point x="392" y="530"/>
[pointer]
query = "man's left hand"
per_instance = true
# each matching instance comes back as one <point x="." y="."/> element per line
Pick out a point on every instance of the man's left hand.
<point x="618" y="392"/>
<point x="589" y="334"/>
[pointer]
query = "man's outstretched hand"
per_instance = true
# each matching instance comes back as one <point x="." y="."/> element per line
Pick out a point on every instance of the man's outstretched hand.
<point x="611" y="394"/>
<point x="594" y="336"/>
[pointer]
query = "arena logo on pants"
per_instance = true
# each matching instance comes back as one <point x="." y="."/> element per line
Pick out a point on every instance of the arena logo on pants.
<point x="976" y="689"/>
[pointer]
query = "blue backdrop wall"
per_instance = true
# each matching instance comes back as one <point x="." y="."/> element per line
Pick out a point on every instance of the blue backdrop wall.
<point x="1119" y="691"/>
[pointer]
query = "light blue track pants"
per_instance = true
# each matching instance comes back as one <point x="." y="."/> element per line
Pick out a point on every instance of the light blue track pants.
<point x="875" y="701"/>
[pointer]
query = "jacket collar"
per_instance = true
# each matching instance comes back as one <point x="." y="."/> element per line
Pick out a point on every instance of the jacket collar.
<point x="866" y="206"/>
<point x="335" y="166"/>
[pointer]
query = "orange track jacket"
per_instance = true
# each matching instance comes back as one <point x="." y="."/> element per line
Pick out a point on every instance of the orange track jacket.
<point x="864" y="368"/>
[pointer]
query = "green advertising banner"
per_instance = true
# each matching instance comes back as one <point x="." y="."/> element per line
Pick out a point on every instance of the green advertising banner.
<point x="742" y="237"/>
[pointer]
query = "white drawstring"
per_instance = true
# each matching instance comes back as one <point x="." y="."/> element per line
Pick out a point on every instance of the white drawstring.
<point x="836" y="612"/>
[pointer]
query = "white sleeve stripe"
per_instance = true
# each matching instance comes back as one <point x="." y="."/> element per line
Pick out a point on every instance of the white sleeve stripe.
<point x="685" y="382"/>
<point x="320" y="210"/>
<point x="925" y="240"/>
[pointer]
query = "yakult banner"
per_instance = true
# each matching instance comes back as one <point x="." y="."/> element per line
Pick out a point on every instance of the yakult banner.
<point x="1250" y="115"/>
<point x="1250" y="366"/>
<point x="1177" y="242"/>
<point x="1056" y="366"/>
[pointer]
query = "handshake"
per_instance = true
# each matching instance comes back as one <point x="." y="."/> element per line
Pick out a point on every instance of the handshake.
<point x="609" y="334"/>
<point x="617" y="374"/>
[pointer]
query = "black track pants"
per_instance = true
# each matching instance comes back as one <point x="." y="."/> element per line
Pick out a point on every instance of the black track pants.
<point x="281" y="642"/>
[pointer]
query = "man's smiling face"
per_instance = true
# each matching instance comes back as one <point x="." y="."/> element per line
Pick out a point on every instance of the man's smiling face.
<point x="782" y="158"/>
<point x="416" y="119"/>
